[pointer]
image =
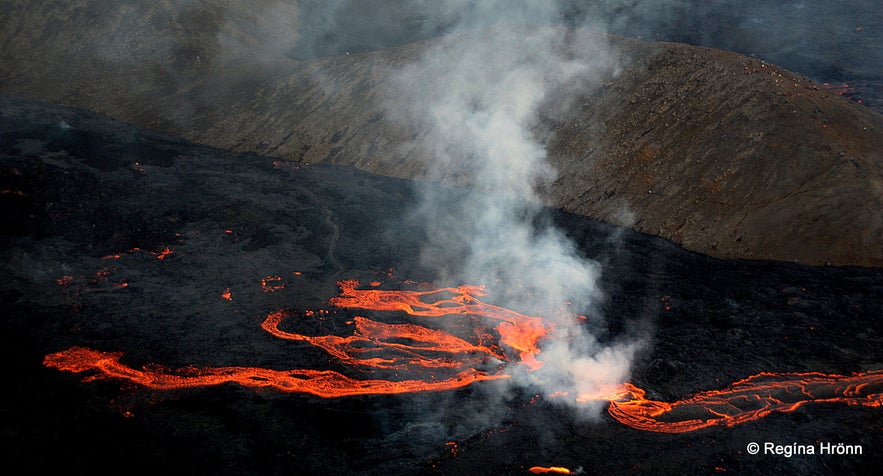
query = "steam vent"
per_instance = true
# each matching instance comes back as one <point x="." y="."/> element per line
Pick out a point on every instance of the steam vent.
<point x="442" y="238"/>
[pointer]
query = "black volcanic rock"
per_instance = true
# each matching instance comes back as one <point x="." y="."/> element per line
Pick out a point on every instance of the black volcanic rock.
<point x="725" y="154"/>
<point x="86" y="192"/>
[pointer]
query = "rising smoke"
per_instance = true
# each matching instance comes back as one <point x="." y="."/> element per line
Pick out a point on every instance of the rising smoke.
<point x="476" y="96"/>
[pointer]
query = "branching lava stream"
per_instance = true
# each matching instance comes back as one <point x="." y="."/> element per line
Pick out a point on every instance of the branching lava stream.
<point x="436" y="360"/>
<point x="746" y="400"/>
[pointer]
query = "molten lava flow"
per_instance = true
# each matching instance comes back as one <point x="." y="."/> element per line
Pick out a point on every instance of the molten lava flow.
<point x="227" y="294"/>
<point x="272" y="284"/>
<point x="746" y="400"/>
<point x="163" y="254"/>
<point x="432" y="359"/>
<point x="549" y="470"/>
<point x="443" y="360"/>
<point x="521" y="333"/>
<point x="324" y="383"/>
<point x="388" y="340"/>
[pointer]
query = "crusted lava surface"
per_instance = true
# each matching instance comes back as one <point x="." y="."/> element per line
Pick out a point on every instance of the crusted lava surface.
<point x="124" y="240"/>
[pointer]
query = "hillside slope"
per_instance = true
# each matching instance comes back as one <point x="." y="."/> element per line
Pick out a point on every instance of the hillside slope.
<point x="722" y="153"/>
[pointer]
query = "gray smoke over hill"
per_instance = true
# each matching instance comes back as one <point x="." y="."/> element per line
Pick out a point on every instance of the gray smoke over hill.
<point x="475" y="97"/>
<point x="725" y="154"/>
<point x="806" y="36"/>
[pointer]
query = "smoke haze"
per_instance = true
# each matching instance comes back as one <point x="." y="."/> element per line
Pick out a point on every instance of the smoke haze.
<point x="476" y="94"/>
<point x="476" y="97"/>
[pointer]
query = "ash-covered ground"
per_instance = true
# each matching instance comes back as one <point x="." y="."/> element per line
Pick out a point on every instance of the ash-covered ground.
<point x="124" y="240"/>
<point x="731" y="155"/>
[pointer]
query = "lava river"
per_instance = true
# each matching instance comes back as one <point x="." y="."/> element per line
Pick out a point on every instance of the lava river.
<point x="437" y="360"/>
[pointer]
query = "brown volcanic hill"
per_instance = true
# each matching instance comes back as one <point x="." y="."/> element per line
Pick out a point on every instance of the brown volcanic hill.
<point x="720" y="152"/>
<point x="731" y="156"/>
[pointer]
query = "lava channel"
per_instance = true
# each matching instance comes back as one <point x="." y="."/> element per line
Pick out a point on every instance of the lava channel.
<point x="440" y="360"/>
<point x="746" y="400"/>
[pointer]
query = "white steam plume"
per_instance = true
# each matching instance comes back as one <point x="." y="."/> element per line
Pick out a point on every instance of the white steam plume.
<point x="476" y="97"/>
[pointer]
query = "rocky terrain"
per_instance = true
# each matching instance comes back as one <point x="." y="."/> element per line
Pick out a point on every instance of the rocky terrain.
<point x="125" y="240"/>
<point x="725" y="154"/>
<point x="175" y="174"/>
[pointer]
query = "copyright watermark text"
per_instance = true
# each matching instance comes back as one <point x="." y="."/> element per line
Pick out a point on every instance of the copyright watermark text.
<point x="793" y="449"/>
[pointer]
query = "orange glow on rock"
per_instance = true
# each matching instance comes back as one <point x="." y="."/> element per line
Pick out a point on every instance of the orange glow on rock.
<point x="272" y="284"/>
<point x="453" y="448"/>
<point x="438" y="360"/>
<point x="163" y="254"/>
<point x="227" y="294"/>
<point x="412" y="356"/>
<point x="323" y="383"/>
<point x="549" y="470"/>
<point x="518" y="331"/>
<point x="746" y="400"/>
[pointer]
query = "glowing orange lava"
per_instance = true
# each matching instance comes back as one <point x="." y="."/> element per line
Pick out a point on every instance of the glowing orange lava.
<point x="271" y="284"/>
<point x="442" y="360"/>
<point x="163" y="254"/>
<point x="549" y="470"/>
<point x="745" y="400"/>
<point x="521" y="333"/>
<point x="323" y="383"/>
<point x="431" y="359"/>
